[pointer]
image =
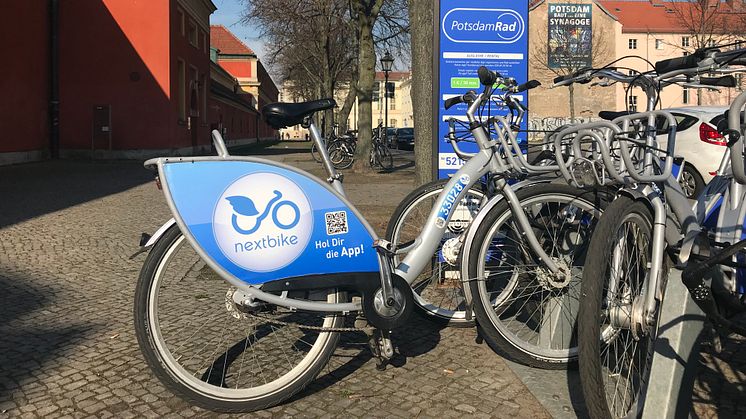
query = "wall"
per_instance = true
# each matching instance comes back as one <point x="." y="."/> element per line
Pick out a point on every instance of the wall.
<point x="546" y="102"/>
<point x="116" y="53"/>
<point x="24" y="123"/>
<point x="669" y="47"/>
<point x="195" y="57"/>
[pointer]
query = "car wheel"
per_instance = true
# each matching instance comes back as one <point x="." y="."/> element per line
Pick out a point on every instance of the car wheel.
<point x="691" y="182"/>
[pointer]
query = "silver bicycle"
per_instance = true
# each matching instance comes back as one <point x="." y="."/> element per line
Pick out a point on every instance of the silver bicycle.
<point x="649" y="222"/>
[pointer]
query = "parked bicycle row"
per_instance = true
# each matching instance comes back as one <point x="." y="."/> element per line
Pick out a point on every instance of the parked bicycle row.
<point x="341" y="149"/>
<point x="561" y="259"/>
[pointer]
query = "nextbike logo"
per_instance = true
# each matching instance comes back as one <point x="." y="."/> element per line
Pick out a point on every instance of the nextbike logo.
<point x="262" y="222"/>
<point x="483" y="26"/>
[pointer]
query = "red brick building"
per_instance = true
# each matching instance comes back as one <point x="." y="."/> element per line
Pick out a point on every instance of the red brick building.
<point x="134" y="79"/>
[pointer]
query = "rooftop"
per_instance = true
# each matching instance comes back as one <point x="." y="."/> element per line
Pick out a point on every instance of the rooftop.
<point x="226" y="42"/>
<point x="659" y="16"/>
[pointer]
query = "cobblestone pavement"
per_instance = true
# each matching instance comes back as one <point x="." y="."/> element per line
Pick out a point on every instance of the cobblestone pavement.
<point x="68" y="348"/>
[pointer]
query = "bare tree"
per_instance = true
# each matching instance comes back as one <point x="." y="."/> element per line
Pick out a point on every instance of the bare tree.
<point x="389" y="30"/>
<point x="421" y="21"/>
<point x="708" y="23"/>
<point x="311" y="42"/>
<point x="570" y="43"/>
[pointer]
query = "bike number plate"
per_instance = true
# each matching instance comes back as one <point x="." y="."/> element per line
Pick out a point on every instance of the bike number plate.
<point x="261" y="222"/>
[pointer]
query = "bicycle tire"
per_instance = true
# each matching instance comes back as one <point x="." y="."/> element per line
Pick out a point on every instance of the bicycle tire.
<point x="340" y="155"/>
<point x="315" y="153"/>
<point x="596" y="333"/>
<point x="386" y="158"/>
<point x="428" y="290"/>
<point x="522" y="309"/>
<point x="213" y="389"/>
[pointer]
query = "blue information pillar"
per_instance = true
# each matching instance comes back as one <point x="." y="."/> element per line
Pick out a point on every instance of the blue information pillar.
<point x="472" y="33"/>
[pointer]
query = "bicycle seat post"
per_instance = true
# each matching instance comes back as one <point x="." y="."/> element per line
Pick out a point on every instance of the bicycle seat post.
<point x="220" y="147"/>
<point x="335" y="178"/>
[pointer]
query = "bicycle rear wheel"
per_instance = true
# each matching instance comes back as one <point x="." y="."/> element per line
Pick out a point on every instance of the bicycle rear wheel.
<point x="615" y="358"/>
<point x="438" y="290"/>
<point x="213" y="351"/>
<point x="523" y="309"/>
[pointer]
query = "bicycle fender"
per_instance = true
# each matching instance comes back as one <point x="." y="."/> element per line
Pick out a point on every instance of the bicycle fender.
<point x="472" y="231"/>
<point x="673" y="230"/>
<point x="256" y="221"/>
<point x="158" y="233"/>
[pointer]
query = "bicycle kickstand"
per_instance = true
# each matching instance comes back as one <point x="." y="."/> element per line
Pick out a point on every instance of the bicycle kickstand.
<point x="381" y="347"/>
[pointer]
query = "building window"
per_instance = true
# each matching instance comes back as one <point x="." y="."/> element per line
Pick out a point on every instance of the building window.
<point x="711" y="43"/>
<point x="393" y="123"/>
<point x="684" y="41"/>
<point x="685" y="96"/>
<point x="181" y="89"/>
<point x="392" y="104"/>
<point x="194" y="102"/>
<point x="658" y="44"/>
<point x="205" y="47"/>
<point x="193" y="33"/>
<point x="633" y="44"/>
<point x="180" y="15"/>
<point x="632" y="104"/>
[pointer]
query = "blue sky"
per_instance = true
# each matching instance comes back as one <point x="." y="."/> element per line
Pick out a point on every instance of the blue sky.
<point x="229" y="15"/>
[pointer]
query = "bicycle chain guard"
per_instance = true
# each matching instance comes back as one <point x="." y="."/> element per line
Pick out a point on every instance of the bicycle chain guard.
<point x="258" y="222"/>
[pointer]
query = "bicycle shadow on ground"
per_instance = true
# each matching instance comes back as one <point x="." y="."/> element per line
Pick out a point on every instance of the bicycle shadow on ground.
<point x="417" y="337"/>
<point x="720" y="384"/>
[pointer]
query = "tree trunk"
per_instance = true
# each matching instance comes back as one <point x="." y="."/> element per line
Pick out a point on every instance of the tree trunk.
<point x="572" y="103"/>
<point x="344" y="112"/>
<point x="423" y="83"/>
<point x="366" y="18"/>
<point x="327" y="89"/>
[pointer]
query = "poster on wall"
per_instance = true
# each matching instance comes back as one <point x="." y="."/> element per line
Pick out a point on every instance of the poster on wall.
<point x="470" y="34"/>
<point x="570" y="35"/>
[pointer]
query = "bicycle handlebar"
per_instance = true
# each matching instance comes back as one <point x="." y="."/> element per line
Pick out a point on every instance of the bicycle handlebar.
<point x="487" y="77"/>
<point x="531" y="84"/>
<point x="468" y="97"/>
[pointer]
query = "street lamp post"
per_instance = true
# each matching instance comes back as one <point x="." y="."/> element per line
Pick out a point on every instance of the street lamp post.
<point x="387" y="61"/>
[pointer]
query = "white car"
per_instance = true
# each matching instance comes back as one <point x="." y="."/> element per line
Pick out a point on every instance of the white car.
<point x="698" y="142"/>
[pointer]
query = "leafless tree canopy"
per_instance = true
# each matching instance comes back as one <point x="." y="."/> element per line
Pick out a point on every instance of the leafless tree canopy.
<point x="709" y="22"/>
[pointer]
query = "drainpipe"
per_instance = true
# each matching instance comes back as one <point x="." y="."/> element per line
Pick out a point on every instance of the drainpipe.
<point x="54" y="85"/>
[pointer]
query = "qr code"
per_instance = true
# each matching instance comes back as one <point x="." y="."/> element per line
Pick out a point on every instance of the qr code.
<point x="336" y="223"/>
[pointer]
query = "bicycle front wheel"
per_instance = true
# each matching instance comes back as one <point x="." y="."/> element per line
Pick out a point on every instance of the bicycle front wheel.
<point x="524" y="310"/>
<point x="438" y="290"/>
<point x="615" y="358"/>
<point x="206" y="345"/>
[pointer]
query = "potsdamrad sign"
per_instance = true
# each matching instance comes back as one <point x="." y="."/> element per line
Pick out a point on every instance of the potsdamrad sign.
<point x="492" y="26"/>
<point x="473" y="33"/>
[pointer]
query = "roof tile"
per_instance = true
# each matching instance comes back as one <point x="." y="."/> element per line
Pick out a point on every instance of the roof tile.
<point x="225" y="41"/>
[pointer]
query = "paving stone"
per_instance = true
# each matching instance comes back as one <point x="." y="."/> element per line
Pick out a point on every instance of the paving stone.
<point x="69" y="348"/>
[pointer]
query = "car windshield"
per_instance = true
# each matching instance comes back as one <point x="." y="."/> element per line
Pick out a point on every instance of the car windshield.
<point x="405" y="131"/>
